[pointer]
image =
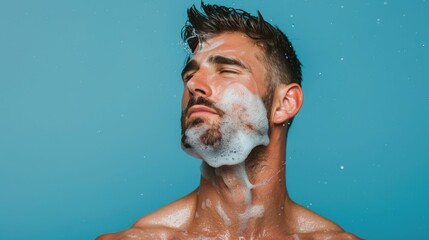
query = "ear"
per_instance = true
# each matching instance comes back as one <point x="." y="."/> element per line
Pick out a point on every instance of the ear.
<point x="287" y="101"/>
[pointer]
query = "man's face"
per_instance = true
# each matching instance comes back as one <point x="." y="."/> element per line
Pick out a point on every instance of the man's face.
<point x="223" y="85"/>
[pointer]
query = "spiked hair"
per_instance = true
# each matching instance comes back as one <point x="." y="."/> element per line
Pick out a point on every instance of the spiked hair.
<point x="281" y="61"/>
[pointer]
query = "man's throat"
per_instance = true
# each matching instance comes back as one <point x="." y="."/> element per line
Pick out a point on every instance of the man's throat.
<point x="234" y="187"/>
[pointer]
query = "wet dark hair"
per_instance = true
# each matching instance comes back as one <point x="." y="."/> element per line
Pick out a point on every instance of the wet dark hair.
<point x="281" y="61"/>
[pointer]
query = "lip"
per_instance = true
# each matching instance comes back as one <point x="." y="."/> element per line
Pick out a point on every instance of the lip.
<point x="200" y="110"/>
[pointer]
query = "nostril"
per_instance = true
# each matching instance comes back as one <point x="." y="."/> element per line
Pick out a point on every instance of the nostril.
<point x="200" y="91"/>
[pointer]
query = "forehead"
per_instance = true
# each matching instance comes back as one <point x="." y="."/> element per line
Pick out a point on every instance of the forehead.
<point x="237" y="44"/>
<point x="237" y="47"/>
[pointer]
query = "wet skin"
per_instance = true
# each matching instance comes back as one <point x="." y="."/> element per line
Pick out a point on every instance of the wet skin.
<point x="220" y="62"/>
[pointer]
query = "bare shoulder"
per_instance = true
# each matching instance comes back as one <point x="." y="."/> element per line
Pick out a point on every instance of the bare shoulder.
<point x="134" y="233"/>
<point x="309" y="223"/>
<point x="325" y="236"/>
<point x="306" y="220"/>
<point x="164" y="223"/>
<point x="175" y="215"/>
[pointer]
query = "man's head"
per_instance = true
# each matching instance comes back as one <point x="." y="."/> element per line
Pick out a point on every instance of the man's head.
<point x="239" y="65"/>
<point x="278" y="55"/>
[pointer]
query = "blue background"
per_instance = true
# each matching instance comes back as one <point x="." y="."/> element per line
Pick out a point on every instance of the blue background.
<point x="90" y="104"/>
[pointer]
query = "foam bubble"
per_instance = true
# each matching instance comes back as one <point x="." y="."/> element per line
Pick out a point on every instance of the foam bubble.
<point x="251" y="211"/>
<point x="208" y="203"/>
<point x="240" y="172"/>
<point x="243" y="126"/>
<point x="254" y="211"/>
<point x="223" y="215"/>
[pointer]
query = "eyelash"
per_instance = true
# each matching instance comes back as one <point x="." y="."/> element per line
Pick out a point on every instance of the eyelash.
<point x="228" y="71"/>
<point x="188" y="77"/>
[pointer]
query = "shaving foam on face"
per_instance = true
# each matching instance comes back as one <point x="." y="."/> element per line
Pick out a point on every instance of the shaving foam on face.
<point x="243" y="126"/>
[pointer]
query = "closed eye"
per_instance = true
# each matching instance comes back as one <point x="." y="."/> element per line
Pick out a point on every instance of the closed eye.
<point x="229" y="71"/>
<point x="188" y="71"/>
<point x="187" y="77"/>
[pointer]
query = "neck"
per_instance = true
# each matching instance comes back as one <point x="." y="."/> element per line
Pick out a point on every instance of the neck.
<point x="246" y="199"/>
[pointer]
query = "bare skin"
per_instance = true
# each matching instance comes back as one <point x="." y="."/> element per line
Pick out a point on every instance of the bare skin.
<point x="224" y="206"/>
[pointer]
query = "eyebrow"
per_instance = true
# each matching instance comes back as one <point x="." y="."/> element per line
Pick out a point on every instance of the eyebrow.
<point x="221" y="60"/>
<point x="192" y="65"/>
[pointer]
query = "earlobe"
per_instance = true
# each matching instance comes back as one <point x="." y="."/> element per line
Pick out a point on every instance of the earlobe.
<point x="287" y="101"/>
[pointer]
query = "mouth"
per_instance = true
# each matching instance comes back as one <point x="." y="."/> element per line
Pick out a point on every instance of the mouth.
<point x="200" y="111"/>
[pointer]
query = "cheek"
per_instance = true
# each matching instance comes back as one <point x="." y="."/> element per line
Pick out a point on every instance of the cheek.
<point x="185" y="100"/>
<point x="254" y="88"/>
<point x="220" y="84"/>
<point x="249" y="83"/>
<point x="217" y="92"/>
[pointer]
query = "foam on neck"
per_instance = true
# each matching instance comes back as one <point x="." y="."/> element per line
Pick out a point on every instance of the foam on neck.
<point x="252" y="210"/>
<point x="243" y="127"/>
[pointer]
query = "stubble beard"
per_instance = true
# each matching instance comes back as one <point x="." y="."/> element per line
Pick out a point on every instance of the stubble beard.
<point x="227" y="139"/>
<point x="212" y="135"/>
<point x="209" y="138"/>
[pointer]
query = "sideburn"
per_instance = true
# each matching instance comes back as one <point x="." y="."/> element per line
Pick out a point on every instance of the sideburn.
<point x="268" y="102"/>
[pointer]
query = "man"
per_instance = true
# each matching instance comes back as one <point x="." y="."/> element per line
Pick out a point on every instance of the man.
<point x="242" y="89"/>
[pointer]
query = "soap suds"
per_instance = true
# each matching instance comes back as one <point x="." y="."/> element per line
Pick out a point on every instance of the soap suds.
<point x="239" y="173"/>
<point x="208" y="203"/>
<point x="240" y="170"/>
<point x="223" y="215"/>
<point x="244" y="125"/>
<point x="253" y="211"/>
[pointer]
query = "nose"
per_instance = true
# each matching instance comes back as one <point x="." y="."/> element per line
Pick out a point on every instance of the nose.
<point x="199" y="85"/>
